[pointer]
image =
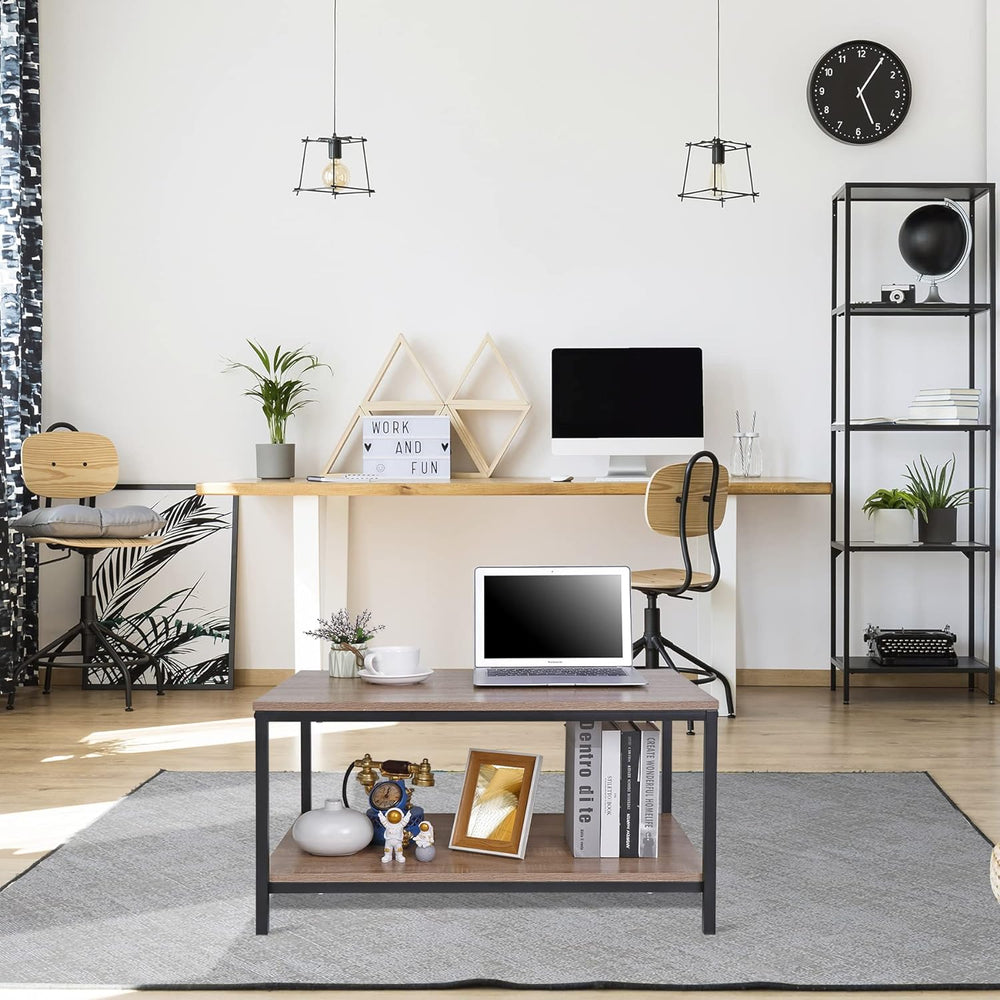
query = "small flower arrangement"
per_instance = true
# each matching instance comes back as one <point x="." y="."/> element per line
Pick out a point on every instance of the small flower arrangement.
<point x="339" y="630"/>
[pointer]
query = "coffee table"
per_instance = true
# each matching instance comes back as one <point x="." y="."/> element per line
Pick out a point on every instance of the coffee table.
<point x="448" y="696"/>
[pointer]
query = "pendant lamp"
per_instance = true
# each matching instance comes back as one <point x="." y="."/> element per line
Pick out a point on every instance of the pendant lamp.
<point x="330" y="163"/>
<point x="715" y="170"/>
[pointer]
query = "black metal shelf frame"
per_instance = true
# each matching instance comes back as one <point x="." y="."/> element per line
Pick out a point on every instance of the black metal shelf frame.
<point x="842" y="312"/>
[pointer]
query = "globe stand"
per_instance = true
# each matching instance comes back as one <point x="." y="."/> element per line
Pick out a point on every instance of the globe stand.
<point x="933" y="295"/>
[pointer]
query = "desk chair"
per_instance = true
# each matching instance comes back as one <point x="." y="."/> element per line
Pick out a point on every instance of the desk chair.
<point x="73" y="465"/>
<point x="683" y="501"/>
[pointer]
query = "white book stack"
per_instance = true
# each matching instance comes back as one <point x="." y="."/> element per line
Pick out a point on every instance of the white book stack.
<point x="944" y="406"/>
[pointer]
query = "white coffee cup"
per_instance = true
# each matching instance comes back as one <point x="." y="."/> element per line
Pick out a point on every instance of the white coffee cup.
<point x="393" y="661"/>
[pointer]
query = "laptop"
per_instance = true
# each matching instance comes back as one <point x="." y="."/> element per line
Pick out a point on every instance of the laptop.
<point x="554" y="625"/>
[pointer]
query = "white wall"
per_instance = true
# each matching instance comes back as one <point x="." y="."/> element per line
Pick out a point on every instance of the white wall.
<point x="527" y="158"/>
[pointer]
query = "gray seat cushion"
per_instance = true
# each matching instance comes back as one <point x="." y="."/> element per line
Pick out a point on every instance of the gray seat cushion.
<point x="71" y="520"/>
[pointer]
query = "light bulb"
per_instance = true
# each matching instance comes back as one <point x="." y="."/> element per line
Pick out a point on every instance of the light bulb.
<point x="717" y="177"/>
<point x="336" y="174"/>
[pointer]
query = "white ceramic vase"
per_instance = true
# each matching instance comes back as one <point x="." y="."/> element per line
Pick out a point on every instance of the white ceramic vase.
<point x="893" y="527"/>
<point x="332" y="830"/>
<point x="344" y="661"/>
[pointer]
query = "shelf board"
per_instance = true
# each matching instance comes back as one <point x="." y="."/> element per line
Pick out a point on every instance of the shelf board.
<point x="859" y="546"/>
<point x="918" y="309"/>
<point x="863" y="665"/>
<point x="547" y="859"/>
<point x="881" y="191"/>
<point x="855" y="428"/>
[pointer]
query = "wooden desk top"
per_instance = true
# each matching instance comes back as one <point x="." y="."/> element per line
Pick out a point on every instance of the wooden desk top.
<point x="769" y="486"/>
<point x="448" y="691"/>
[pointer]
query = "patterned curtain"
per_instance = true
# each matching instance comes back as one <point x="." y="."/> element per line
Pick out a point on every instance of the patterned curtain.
<point x="20" y="314"/>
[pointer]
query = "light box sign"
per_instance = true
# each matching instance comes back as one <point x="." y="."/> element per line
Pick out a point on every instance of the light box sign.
<point x="406" y="447"/>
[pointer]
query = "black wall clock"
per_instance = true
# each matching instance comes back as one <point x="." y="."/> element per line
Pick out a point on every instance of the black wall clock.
<point x="859" y="92"/>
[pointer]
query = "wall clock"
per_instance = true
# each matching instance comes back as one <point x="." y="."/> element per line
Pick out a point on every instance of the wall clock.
<point x="859" y="92"/>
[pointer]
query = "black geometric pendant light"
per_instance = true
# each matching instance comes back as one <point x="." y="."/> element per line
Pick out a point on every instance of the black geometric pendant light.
<point x="333" y="160"/>
<point x="720" y="150"/>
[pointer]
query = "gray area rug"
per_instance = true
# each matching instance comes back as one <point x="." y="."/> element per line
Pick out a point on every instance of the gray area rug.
<point x="825" y="880"/>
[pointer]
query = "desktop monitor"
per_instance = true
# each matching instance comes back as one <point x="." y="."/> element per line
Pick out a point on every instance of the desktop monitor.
<point x="627" y="403"/>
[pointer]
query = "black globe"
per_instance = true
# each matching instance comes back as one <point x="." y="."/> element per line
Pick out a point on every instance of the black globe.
<point x="932" y="239"/>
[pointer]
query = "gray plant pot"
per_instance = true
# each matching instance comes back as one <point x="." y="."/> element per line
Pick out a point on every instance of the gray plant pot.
<point x="940" y="528"/>
<point x="275" y="461"/>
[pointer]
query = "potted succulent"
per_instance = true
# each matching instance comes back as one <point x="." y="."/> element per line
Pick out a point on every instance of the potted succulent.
<point x="891" y="512"/>
<point x="347" y="640"/>
<point x="930" y="487"/>
<point x="278" y="386"/>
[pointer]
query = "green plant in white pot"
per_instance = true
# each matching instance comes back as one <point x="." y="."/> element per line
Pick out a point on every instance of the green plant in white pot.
<point x="930" y="487"/>
<point x="348" y="638"/>
<point x="891" y="512"/>
<point x="280" y="389"/>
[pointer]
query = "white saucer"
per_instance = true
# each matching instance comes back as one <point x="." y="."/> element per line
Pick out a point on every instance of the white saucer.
<point x="374" y="678"/>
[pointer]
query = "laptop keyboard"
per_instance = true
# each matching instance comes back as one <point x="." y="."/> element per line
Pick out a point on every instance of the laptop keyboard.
<point x="555" y="672"/>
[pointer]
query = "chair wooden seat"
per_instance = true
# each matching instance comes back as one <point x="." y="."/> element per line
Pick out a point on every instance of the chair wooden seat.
<point x="666" y="580"/>
<point x="96" y="543"/>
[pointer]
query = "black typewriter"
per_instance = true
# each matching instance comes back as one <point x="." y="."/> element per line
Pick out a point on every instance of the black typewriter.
<point x="900" y="647"/>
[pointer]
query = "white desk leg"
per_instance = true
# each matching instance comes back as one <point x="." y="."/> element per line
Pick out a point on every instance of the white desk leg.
<point x="717" y="623"/>
<point x="306" y="581"/>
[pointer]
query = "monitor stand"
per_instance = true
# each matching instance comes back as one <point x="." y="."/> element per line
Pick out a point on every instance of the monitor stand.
<point x="624" y="469"/>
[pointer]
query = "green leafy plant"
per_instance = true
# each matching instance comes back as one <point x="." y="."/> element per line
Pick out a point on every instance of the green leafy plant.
<point x="890" y="499"/>
<point x="340" y="630"/>
<point x="278" y="385"/>
<point x="930" y="486"/>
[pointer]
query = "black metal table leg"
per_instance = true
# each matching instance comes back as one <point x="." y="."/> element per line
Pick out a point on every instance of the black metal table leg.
<point x="710" y="767"/>
<point x="667" y="766"/>
<point x="305" y="763"/>
<point x="262" y="809"/>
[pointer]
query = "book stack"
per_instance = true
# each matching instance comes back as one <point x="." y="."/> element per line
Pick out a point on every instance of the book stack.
<point x="944" y="406"/>
<point x="612" y="806"/>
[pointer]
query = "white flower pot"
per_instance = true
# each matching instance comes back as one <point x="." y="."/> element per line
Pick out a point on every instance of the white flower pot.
<point x="343" y="662"/>
<point x="333" y="830"/>
<point x="893" y="527"/>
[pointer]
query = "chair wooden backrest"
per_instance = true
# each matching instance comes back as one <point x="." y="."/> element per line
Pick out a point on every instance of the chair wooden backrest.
<point x="687" y="500"/>
<point x="69" y="465"/>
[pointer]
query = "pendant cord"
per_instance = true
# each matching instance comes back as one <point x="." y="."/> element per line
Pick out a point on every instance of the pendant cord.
<point x="334" y="67"/>
<point x="718" y="63"/>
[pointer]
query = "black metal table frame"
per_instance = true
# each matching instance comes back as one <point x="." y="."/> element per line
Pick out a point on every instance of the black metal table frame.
<point x="265" y="887"/>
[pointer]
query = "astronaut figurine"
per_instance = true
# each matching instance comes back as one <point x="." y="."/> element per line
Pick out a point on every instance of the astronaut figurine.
<point x="424" y="841"/>
<point x="395" y="824"/>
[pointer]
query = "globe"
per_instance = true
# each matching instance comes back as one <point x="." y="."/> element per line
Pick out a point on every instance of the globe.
<point x="933" y="240"/>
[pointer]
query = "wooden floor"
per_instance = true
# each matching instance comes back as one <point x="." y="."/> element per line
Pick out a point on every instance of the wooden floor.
<point x="67" y="757"/>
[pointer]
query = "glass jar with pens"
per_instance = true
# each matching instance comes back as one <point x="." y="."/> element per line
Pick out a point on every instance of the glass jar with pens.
<point x="747" y="459"/>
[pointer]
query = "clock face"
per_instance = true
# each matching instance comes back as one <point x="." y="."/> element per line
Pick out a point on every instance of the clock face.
<point x="859" y="92"/>
<point x="385" y="795"/>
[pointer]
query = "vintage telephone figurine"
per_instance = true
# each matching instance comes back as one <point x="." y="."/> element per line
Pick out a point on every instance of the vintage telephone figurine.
<point x="385" y="783"/>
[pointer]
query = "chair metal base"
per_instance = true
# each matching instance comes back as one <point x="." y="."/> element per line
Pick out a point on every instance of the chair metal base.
<point x="655" y="646"/>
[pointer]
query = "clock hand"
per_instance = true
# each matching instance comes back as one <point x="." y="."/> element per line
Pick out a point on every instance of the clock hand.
<point x="865" y="105"/>
<point x="870" y="75"/>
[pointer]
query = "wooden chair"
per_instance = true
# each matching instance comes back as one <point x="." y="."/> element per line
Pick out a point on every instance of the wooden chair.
<point x="78" y="466"/>
<point x="684" y="501"/>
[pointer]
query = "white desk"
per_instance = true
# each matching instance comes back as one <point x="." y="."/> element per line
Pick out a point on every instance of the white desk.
<point x="717" y="613"/>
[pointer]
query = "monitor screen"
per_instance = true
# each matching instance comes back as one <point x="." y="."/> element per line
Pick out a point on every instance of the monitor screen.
<point x="543" y="615"/>
<point x="627" y="392"/>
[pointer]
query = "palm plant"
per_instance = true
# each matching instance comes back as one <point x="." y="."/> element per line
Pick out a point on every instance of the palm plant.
<point x="278" y="386"/>
<point x="930" y="486"/>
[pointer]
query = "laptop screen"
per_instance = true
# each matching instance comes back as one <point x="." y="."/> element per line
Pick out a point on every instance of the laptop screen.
<point x="553" y="615"/>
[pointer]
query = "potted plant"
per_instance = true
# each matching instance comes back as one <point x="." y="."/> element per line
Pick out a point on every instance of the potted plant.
<point x="280" y="389"/>
<point x="891" y="512"/>
<point x="930" y="487"/>
<point x="347" y="640"/>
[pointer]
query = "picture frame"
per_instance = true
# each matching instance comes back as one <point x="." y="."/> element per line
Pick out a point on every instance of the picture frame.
<point x="494" y="811"/>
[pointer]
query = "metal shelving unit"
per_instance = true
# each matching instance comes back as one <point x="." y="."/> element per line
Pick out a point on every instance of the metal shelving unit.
<point x="979" y="199"/>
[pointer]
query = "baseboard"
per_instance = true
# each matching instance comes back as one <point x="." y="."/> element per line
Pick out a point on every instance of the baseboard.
<point x="762" y="677"/>
<point x="261" y="678"/>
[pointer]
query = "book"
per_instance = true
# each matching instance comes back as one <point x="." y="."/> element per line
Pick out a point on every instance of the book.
<point x="943" y="412"/>
<point x="937" y="420"/>
<point x="649" y="789"/>
<point x="610" y="788"/>
<point x="583" y="776"/>
<point x="628" y="803"/>
<point x="948" y="393"/>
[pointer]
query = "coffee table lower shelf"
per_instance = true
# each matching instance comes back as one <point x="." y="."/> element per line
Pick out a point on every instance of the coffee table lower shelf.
<point x="547" y="862"/>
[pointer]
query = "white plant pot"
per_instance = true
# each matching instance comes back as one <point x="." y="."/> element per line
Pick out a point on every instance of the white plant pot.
<point x="343" y="662"/>
<point x="333" y="830"/>
<point x="893" y="527"/>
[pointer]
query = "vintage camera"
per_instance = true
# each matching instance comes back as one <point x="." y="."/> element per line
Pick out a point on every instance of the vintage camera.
<point x="899" y="295"/>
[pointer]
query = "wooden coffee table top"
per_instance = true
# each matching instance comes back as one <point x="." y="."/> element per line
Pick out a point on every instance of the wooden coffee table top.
<point x="447" y="691"/>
